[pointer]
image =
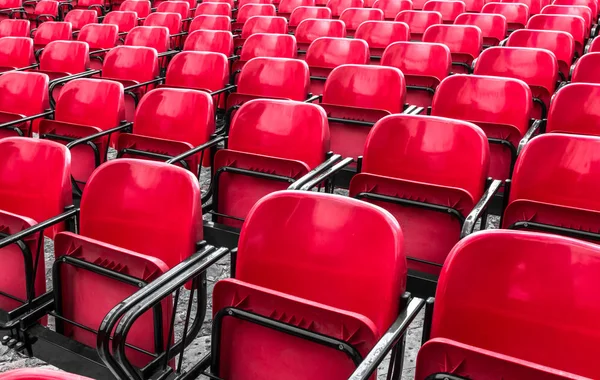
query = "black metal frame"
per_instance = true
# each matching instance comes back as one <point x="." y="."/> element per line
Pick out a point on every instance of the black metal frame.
<point x="14" y="124"/>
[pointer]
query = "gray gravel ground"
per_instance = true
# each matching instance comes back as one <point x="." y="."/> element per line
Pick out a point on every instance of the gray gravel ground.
<point x="200" y="346"/>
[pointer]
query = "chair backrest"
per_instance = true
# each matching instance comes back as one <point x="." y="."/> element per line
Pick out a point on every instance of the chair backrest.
<point x="275" y="77"/>
<point x="493" y="26"/>
<point x="65" y="57"/>
<point x="217" y="9"/>
<point x="546" y="282"/>
<point x="286" y="216"/>
<point x="241" y="3"/>
<point x="14" y="28"/>
<point x="329" y="52"/>
<point x="8" y="4"/>
<point x="37" y="182"/>
<point x="460" y="39"/>
<point x="559" y="43"/>
<point x="171" y="21"/>
<point x="289" y="6"/>
<point x="176" y="114"/>
<point x="172" y="6"/>
<point x="474" y="6"/>
<point x="483" y="99"/>
<point x="353" y="17"/>
<point x="391" y="8"/>
<point x="91" y="102"/>
<point x="536" y="67"/>
<point x="419" y="21"/>
<point x="198" y="70"/>
<point x="280" y="128"/>
<point x="24" y="93"/>
<point x="448" y="9"/>
<point x="585" y="69"/>
<point x="338" y="6"/>
<point x="429" y="149"/>
<point x="592" y="4"/>
<point x="218" y="41"/>
<point x="156" y="37"/>
<point x="81" y="17"/>
<point x="141" y="7"/>
<point x="140" y="193"/>
<point x="582" y="11"/>
<point x="419" y="59"/>
<point x="535" y="6"/>
<point x="16" y="52"/>
<point x="52" y="31"/>
<point x="516" y="14"/>
<point x="230" y="2"/>
<point x="99" y="36"/>
<point x="381" y="34"/>
<point x="264" y="24"/>
<point x="46" y="7"/>
<point x="302" y="13"/>
<point x="375" y="87"/>
<point x="210" y="22"/>
<point x="34" y="374"/>
<point x="594" y="46"/>
<point x="572" y="110"/>
<point x="124" y="20"/>
<point x="269" y="45"/>
<point x="249" y="10"/>
<point x="310" y="29"/>
<point x="132" y="63"/>
<point x="574" y="25"/>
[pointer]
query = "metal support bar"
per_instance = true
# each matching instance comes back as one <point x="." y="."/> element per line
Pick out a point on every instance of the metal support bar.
<point x="469" y="223"/>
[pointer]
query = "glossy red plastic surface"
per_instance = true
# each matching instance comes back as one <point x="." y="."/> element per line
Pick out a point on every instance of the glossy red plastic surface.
<point x="275" y="78"/>
<point x="171" y="21"/>
<point x="516" y="14"/>
<point x="493" y="26"/>
<point x="14" y="28"/>
<point x="217" y="41"/>
<point x="573" y="111"/>
<point x="273" y="136"/>
<point x="585" y="69"/>
<point x="436" y="160"/>
<point x="419" y="21"/>
<point x="574" y="10"/>
<point x="39" y="374"/>
<point x="536" y="67"/>
<point x="464" y="41"/>
<point x="269" y="45"/>
<point x="448" y="9"/>
<point x="210" y="22"/>
<point x="46" y="7"/>
<point x="249" y="10"/>
<point x="296" y="216"/>
<point x="338" y="6"/>
<point x="310" y="29"/>
<point x="51" y="31"/>
<point x="62" y="58"/>
<point x="353" y="17"/>
<point x="141" y="7"/>
<point x="500" y="106"/>
<point x="424" y="65"/>
<point x="380" y="34"/>
<point x="217" y="9"/>
<point x="545" y="281"/>
<point x="595" y="45"/>
<point x="81" y="17"/>
<point x="198" y="70"/>
<point x="99" y="36"/>
<point x="172" y="6"/>
<point x="474" y="6"/>
<point x="592" y="4"/>
<point x="124" y="20"/>
<point x="302" y="13"/>
<point x="391" y="8"/>
<point x="535" y="6"/>
<point x="16" y="52"/>
<point x="156" y="37"/>
<point x="559" y="43"/>
<point x="264" y="24"/>
<point x="287" y="7"/>
<point x="574" y="25"/>
<point x="440" y="355"/>
<point x="329" y="52"/>
<point x="22" y="94"/>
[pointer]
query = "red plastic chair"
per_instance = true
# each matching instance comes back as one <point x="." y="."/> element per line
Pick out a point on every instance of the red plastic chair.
<point x="210" y="22"/>
<point x="327" y="53"/>
<point x="81" y="17"/>
<point x="474" y="6"/>
<point x="217" y="41"/>
<point x="338" y="6"/>
<point x="44" y="10"/>
<point x="592" y="4"/>
<point x="287" y="7"/>
<point x="171" y="21"/>
<point x="310" y="29"/>
<point x="585" y="69"/>
<point x="124" y="20"/>
<point x="424" y="66"/>
<point x="354" y="17"/>
<point x="16" y="52"/>
<point x="548" y="272"/>
<point x="574" y="10"/>
<point x="302" y="13"/>
<point x="516" y="14"/>
<point x="561" y="44"/>
<point x="391" y="8"/>
<point x="448" y="9"/>
<point x="535" y="6"/>
<point x="173" y="6"/>
<point x="22" y="94"/>
<point x="14" y="28"/>
<point x="381" y="34"/>
<point x="419" y="21"/>
<point x="99" y="36"/>
<point x="574" y="25"/>
<point x="266" y="45"/>
<point x="51" y="31"/>
<point x="249" y="10"/>
<point x="216" y="9"/>
<point x="536" y="67"/>
<point x="493" y="26"/>
<point x="437" y="161"/>
<point x="156" y="37"/>
<point x="261" y="24"/>
<point x="500" y="106"/>
<point x="572" y="110"/>
<point x="464" y="41"/>
<point x="141" y="7"/>
<point x="62" y="58"/>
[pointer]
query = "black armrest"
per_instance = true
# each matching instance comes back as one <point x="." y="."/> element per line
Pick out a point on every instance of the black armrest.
<point x="485" y="200"/>
<point x="313" y="98"/>
<point x="152" y="81"/>
<point x="197" y="149"/>
<point x="39" y="17"/>
<point x="538" y="124"/>
<point x="315" y="172"/>
<point x="85" y="140"/>
<point x="328" y="173"/>
<point x="413" y="110"/>
<point x="30" y="67"/>
<point x="10" y="124"/>
<point x="390" y="339"/>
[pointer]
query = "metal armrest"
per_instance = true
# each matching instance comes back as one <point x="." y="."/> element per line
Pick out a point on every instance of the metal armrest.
<point x="315" y="172"/>
<point x="388" y="341"/>
<point x="313" y="98"/>
<point x="170" y="52"/>
<point x="30" y="67"/>
<point x="328" y="173"/>
<point x="199" y="148"/>
<point x="538" y="124"/>
<point x="231" y="87"/>
<point x="152" y="81"/>
<point x="51" y="17"/>
<point x="485" y="200"/>
<point x="26" y="119"/>
<point x="413" y="110"/>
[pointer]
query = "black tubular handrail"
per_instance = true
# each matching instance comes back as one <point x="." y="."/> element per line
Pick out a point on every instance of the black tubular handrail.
<point x="332" y="160"/>
<point x="326" y="174"/>
<point x="133" y="307"/>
